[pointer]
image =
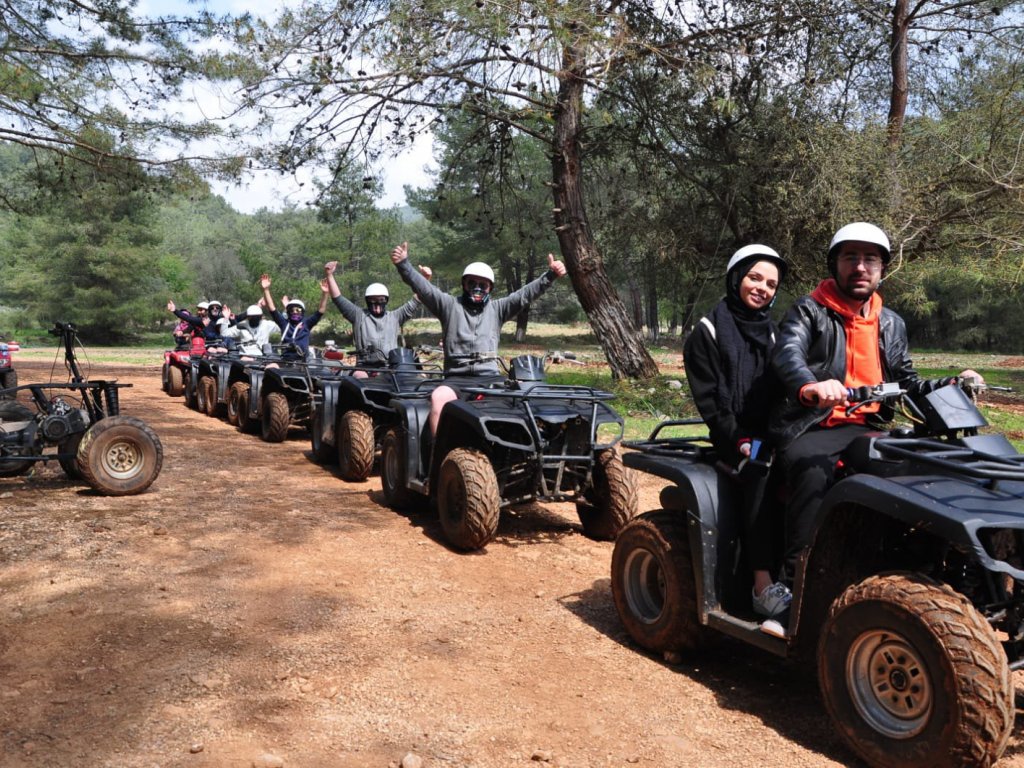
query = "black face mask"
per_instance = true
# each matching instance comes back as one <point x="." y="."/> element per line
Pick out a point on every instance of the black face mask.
<point x="214" y="311"/>
<point x="254" y="320"/>
<point x="377" y="306"/>
<point x="476" y="291"/>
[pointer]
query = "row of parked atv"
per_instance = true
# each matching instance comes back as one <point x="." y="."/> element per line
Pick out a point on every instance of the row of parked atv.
<point x="523" y="441"/>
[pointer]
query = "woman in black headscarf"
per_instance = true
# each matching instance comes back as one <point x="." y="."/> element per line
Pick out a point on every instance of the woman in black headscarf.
<point x="727" y="359"/>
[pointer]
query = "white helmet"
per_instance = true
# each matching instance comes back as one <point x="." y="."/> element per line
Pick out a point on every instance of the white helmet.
<point x="479" y="269"/>
<point x="376" y="289"/>
<point x="756" y="249"/>
<point x="254" y="309"/>
<point x="213" y="303"/>
<point x="202" y="305"/>
<point x="295" y="303"/>
<point x="862" y="232"/>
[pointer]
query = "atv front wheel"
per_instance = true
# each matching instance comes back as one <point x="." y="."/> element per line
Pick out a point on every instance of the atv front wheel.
<point x="246" y="423"/>
<point x="208" y="395"/>
<point x="355" y="446"/>
<point x="163" y="376"/>
<point x="653" y="583"/>
<point x="612" y="500"/>
<point x="14" y="411"/>
<point x="393" y="470"/>
<point x="467" y="499"/>
<point x="175" y="381"/>
<point x="120" y="456"/>
<point x="276" y="418"/>
<point x="191" y="395"/>
<point x="913" y="675"/>
<point x="233" y="397"/>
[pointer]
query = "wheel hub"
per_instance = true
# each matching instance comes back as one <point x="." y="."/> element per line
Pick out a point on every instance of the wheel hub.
<point x="645" y="586"/>
<point x="122" y="459"/>
<point x="889" y="684"/>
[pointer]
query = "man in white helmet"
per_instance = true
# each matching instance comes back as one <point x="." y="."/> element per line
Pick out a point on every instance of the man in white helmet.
<point x="252" y="331"/>
<point x="470" y="323"/>
<point x="374" y="329"/>
<point x="838" y="337"/>
<point x="295" y="325"/>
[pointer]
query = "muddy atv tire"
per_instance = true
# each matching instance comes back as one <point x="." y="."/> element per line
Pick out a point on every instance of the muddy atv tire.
<point x="276" y="418"/>
<point x="912" y="674"/>
<point x="393" y="470"/>
<point x="191" y="394"/>
<point x="467" y="499"/>
<point x="9" y="380"/>
<point x="175" y="381"/>
<point x="613" y="499"/>
<point x="653" y="583"/>
<point x="234" y="391"/>
<point x="322" y="452"/>
<point x="164" y="372"/>
<point x="208" y="395"/>
<point x="120" y="456"/>
<point x="246" y="424"/>
<point x="70" y="465"/>
<point x="14" y="411"/>
<point x="355" y="446"/>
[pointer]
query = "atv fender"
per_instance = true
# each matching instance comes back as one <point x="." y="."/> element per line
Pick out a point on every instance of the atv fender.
<point x="328" y="407"/>
<point x="713" y="515"/>
<point x="413" y="415"/>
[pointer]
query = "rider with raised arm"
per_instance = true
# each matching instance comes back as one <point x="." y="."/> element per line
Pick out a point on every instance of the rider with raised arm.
<point x="470" y="323"/>
<point x="374" y="329"/>
<point x="294" y="324"/>
<point x="838" y="337"/>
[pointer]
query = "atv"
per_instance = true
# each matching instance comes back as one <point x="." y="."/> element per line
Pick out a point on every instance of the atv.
<point x="351" y="414"/>
<point x="178" y="366"/>
<point x="910" y="597"/>
<point x="8" y="376"/>
<point x="523" y="441"/>
<point x="79" y="424"/>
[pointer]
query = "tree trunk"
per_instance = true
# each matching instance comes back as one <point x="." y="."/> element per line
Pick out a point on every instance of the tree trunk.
<point x="523" y="318"/>
<point x="653" y="321"/>
<point x="620" y="340"/>
<point x="898" y="61"/>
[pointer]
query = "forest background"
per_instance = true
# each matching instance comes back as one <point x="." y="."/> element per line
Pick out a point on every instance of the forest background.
<point x="641" y="142"/>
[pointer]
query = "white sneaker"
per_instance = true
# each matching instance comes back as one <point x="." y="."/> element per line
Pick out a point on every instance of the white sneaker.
<point x="773" y="601"/>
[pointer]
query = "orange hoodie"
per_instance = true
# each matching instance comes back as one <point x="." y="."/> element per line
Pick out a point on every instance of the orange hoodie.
<point x="863" y="358"/>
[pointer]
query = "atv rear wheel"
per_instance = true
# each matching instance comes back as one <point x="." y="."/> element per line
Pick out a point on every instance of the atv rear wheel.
<point x="653" y="583"/>
<point x="276" y="418"/>
<point x="246" y="423"/>
<point x="120" y="456"/>
<point x="467" y="499"/>
<point x="175" y="381"/>
<point x="355" y="446"/>
<point x="163" y="376"/>
<point x="913" y="675"/>
<point x="612" y="500"/>
<point x="393" y="472"/>
<point x="14" y="411"/>
<point x="322" y="452"/>
<point x="191" y="395"/>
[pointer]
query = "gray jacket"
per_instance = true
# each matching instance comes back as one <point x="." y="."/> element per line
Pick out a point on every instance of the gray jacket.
<point x="252" y="340"/>
<point x="470" y="332"/>
<point x="374" y="337"/>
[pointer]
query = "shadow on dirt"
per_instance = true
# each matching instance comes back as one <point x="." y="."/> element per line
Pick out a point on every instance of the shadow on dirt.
<point x="783" y="695"/>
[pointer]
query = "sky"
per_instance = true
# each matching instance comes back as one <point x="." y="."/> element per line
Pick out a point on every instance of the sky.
<point x="267" y="189"/>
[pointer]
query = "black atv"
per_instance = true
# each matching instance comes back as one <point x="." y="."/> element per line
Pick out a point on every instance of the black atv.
<point x="78" y="423"/>
<point x="911" y="595"/>
<point x="523" y="441"/>
<point x="351" y="414"/>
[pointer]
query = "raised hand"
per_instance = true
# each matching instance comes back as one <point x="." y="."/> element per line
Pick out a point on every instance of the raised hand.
<point x="264" y="281"/>
<point x="427" y="272"/>
<point x="556" y="266"/>
<point x="330" y="266"/>
<point x="170" y="306"/>
<point x="324" y="286"/>
<point x="400" y="253"/>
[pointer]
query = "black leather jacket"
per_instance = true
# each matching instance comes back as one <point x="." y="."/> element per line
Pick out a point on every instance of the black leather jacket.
<point x="812" y="347"/>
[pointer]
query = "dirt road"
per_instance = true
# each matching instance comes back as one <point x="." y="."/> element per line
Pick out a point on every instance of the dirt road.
<point x="253" y="609"/>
